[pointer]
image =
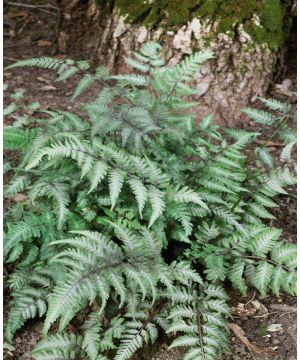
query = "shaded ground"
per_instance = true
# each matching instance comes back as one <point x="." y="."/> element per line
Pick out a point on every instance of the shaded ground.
<point x="33" y="32"/>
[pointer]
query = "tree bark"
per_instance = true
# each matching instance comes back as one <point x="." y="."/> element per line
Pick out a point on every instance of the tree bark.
<point x="245" y="55"/>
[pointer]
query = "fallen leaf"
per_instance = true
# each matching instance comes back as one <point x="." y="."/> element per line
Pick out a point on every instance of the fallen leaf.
<point x="269" y="143"/>
<point x="281" y="352"/>
<point x="46" y="81"/>
<point x="44" y="43"/>
<point x="272" y="149"/>
<point x="62" y="42"/>
<point x="61" y="56"/>
<point x="284" y="308"/>
<point x="20" y="13"/>
<point x="274" y="327"/>
<point x="71" y="5"/>
<point x="19" y="197"/>
<point x="243" y="311"/>
<point x="8" y="346"/>
<point x="260" y="307"/>
<point x="239" y="333"/>
<point x="48" y="88"/>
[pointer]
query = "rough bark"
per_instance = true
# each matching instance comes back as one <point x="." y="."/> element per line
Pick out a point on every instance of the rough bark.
<point x="241" y="71"/>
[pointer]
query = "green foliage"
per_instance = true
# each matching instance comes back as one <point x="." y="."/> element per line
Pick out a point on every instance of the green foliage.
<point x="224" y="14"/>
<point x="203" y="322"/>
<point x="148" y="198"/>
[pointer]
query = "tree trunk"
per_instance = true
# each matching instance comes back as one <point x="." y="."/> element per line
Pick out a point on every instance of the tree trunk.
<point x="245" y="36"/>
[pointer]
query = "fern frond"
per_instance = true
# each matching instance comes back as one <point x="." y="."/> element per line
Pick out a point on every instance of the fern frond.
<point x="58" y="346"/>
<point x="45" y="62"/>
<point x="285" y="254"/>
<point x="188" y="195"/>
<point x="17" y="185"/>
<point x="157" y="203"/>
<point x="286" y="152"/>
<point x="276" y="105"/>
<point x="8" y="110"/>
<point x="28" y="301"/>
<point x="263" y="276"/>
<point x="135" y="335"/>
<point x="97" y="174"/>
<point x="14" y="139"/>
<point x="116" y="180"/>
<point x="132" y="79"/>
<point x="140" y="193"/>
<point x="259" y="116"/>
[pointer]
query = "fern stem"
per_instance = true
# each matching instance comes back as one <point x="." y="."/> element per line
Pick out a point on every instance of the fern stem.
<point x="252" y="257"/>
<point x="282" y="122"/>
<point x="199" y="325"/>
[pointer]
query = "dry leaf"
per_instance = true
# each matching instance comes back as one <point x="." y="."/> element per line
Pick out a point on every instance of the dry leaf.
<point x="260" y="307"/>
<point x="19" y="197"/>
<point x="44" y="43"/>
<point x="239" y="333"/>
<point x="70" y="5"/>
<point x="43" y="80"/>
<point x="20" y="13"/>
<point x="62" y="42"/>
<point x="243" y="311"/>
<point x="275" y="327"/>
<point x="269" y="143"/>
<point x="272" y="149"/>
<point x="48" y="88"/>
<point x="61" y="56"/>
<point x="284" y="308"/>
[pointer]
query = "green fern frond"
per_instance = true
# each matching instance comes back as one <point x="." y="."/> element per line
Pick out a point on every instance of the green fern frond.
<point x="128" y="178"/>
<point x="263" y="276"/>
<point x="157" y="203"/>
<point x="116" y="180"/>
<point x="14" y="139"/>
<point x="276" y="105"/>
<point x="65" y="346"/>
<point x="259" y="116"/>
<point x="8" y="110"/>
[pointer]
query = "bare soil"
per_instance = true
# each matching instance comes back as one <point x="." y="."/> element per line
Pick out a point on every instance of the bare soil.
<point x="33" y="32"/>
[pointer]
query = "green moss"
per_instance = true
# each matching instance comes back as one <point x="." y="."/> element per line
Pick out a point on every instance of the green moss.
<point x="175" y="13"/>
<point x="133" y="9"/>
<point x="271" y="29"/>
<point x="261" y="330"/>
<point x="152" y="12"/>
<point x="228" y="12"/>
<point x="243" y="70"/>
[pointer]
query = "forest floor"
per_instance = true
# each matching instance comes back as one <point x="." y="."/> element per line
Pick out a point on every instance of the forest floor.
<point x="33" y="32"/>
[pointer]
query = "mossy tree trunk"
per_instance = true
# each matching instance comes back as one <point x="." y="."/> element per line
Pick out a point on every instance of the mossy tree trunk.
<point x="246" y="37"/>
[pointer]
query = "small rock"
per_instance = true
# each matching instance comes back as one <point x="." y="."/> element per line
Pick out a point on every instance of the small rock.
<point x="281" y="352"/>
<point x="274" y="327"/>
<point x="26" y="356"/>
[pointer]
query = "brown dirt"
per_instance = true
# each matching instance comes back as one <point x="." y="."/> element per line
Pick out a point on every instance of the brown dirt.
<point x="30" y="32"/>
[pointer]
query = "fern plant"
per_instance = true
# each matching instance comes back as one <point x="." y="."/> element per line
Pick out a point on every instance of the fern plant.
<point x="136" y="217"/>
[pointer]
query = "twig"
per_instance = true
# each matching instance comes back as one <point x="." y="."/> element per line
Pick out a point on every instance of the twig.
<point x="253" y="296"/>
<point x="284" y="308"/>
<point x="32" y="6"/>
<point x="12" y="45"/>
<point x="264" y="315"/>
<point x="58" y="24"/>
<point x="269" y="143"/>
<point x="9" y="58"/>
<point x="239" y="333"/>
<point x="38" y="7"/>
<point x="261" y="258"/>
<point x="263" y="143"/>
<point x="199" y="325"/>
